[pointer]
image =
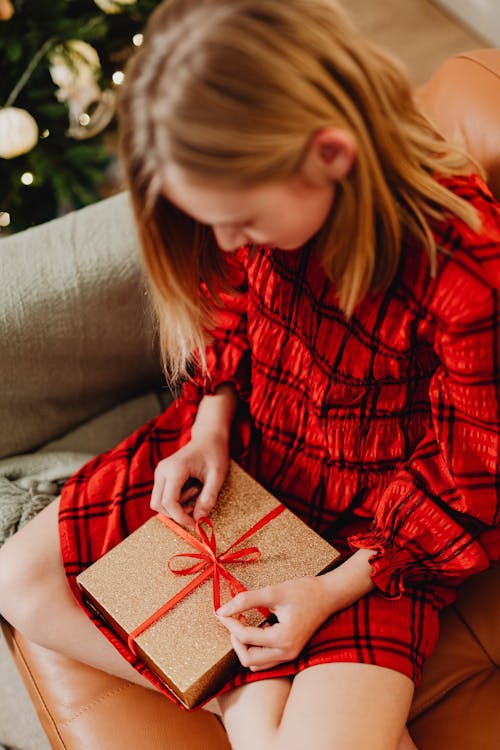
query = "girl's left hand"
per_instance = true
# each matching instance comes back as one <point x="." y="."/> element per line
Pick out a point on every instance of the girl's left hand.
<point x="299" y="606"/>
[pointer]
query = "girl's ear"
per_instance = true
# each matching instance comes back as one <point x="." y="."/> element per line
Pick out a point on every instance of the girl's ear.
<point x="330" y="155"/>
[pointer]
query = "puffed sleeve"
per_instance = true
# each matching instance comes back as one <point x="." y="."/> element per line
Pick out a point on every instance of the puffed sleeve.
<point x="228" y="354"/>
<point x="438" y="520"/>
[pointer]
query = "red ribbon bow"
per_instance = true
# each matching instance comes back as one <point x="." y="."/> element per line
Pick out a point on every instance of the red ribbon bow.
<point x="210" y="565"/>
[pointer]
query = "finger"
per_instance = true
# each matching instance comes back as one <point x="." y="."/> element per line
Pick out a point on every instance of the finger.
<point x="208" y="496"/>
<point x="189" y="494"/>
<point x="187" y="508"/>
<point x="248" y="634"/>
<point x="190" y="491"/>
<point x="156" y="495"/>
<point x="177" y="513"/>
<point x="267" y="665"/>
<point x="241" y="651"/>
<point x="263" y="658"/>
<point x="192" y="483"/>
<point x="170" y="500"/>
<point x="254" y="657"/>
<point x="248" y="600"/>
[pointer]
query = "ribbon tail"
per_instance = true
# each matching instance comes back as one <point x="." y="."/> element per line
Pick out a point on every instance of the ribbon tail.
<point x="236" y="587"/>
<point x="166" y="608"/>
<point x="257" y="526"/>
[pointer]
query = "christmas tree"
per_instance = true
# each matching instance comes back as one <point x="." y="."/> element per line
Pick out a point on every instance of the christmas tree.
<point x="61" y="62"/>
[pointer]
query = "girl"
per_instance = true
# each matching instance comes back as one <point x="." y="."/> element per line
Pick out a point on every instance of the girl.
<point x="349" y="268"/>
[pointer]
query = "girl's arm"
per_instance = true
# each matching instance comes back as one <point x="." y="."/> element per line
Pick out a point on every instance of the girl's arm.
<point x="204" y="459"/>
<point x="215" y="413"/>
<point x="438" y="520"/>
<point x="348" y="582"/>
<point x="300" y="605"/>
<point x="228" y="353"/>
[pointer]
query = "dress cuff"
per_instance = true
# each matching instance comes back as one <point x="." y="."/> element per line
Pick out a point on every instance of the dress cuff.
<point x="236" y="372"/>
<point x="389" y="565"/>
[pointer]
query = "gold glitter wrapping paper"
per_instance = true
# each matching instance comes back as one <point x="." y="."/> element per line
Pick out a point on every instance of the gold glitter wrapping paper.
<point x="188" y="648"/>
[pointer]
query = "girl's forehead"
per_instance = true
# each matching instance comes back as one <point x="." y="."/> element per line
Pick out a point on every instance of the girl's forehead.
<point x="207" y="203"/>
<point x="216" y="203"/>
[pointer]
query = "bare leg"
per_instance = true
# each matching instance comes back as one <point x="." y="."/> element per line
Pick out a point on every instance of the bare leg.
<point x="406" y="742"/>
<point x="351" y="705"/>
<point x="328" y="707"/>
<point x="36" y="599"/>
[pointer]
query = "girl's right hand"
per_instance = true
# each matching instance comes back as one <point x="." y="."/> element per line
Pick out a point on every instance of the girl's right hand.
<point x="196" y="473"/>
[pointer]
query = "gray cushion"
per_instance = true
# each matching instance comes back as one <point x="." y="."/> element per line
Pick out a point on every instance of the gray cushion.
<point x="75" y="326"/>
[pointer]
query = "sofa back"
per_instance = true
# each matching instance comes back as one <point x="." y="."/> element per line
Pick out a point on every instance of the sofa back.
<point x="76" y="332"/>
<point x="75" y="328"/>
<point x="463" y="99"/>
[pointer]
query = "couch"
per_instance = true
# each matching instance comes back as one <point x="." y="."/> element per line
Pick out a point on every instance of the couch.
<point x="81" y="371"/>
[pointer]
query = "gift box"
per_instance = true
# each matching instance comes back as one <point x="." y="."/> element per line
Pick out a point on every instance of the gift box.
<point x="158" y="592"/>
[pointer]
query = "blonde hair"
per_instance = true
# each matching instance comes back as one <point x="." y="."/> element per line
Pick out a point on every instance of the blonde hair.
<point x="232" y="91"/>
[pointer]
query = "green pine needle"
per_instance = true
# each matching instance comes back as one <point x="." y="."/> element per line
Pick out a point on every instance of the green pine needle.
<point x="67" y="173"/>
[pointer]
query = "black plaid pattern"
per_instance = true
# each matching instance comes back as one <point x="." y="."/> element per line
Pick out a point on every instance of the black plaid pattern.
<point x="379" y="432"/>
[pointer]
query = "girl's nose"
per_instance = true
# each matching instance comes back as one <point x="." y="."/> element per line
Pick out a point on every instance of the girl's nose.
<point x="229" y="238"/>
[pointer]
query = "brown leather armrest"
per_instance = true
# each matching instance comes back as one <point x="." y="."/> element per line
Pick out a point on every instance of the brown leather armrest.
<point x="80" y="707"/>
<point x="457" y="704"/>
<point x="463" y="99"/>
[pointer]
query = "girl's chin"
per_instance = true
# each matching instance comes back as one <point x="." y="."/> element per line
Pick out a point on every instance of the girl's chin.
<point x="274" y="246"/>
<point x="290" y="248"/>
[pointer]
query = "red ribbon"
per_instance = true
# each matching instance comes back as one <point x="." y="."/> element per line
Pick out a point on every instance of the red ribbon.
<point x="210" y="565"/>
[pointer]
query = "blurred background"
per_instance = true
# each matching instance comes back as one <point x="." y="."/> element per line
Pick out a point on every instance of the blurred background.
<point x="61" y="65"/>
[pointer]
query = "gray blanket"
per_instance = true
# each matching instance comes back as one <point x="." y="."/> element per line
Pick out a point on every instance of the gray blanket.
<point x="30" y="482"/>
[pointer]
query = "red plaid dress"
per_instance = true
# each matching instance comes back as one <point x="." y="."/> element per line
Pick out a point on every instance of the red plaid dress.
<point x="379" y="432"/>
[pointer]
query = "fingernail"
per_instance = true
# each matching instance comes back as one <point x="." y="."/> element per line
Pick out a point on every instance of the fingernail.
<point x="221" y="611"/>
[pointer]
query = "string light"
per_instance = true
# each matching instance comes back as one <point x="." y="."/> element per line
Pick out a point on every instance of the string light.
<point x="118" y="77"/>
<point x="27" y="178"/>
<point x="137" y="40"/>
<point x="4" y="219"/>
<point x="45" y="133"/>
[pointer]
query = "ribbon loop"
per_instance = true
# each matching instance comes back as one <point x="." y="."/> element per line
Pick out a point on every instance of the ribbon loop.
<point x="210" y="558"/>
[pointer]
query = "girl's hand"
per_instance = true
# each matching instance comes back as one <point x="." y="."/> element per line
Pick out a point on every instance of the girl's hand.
<point x="187" y="483"/>
<point x="300" y="608"/>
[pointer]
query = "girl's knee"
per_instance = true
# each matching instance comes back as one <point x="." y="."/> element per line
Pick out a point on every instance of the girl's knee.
<point x="25" y="572"/>
<point x="18" y="574"/>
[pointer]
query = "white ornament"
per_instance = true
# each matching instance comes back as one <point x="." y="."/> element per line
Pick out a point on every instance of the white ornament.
<point x="75" y="68"/>
<point x="73" y="65"/>
<point x="18" y="132"/>
<point x="113" y="6"/>
<point x="90" y="113"/>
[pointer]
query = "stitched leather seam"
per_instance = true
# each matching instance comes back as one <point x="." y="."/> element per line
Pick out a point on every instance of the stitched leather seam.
<point x="474" y="636"/>
<point x="482" y="65"/>
<point x="95" y="702"/>
<point x="421" y="708"/>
